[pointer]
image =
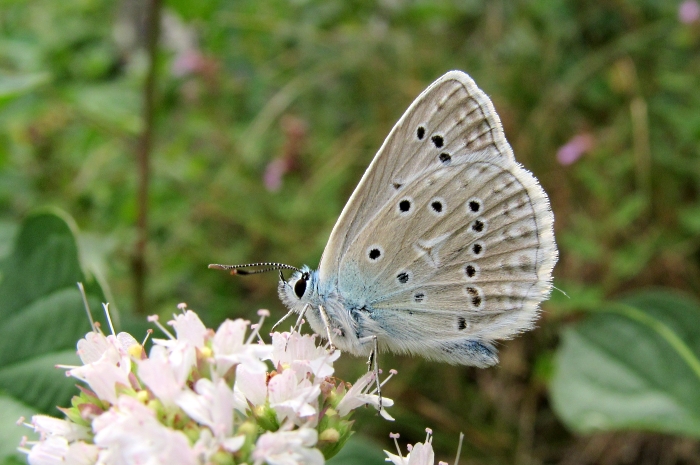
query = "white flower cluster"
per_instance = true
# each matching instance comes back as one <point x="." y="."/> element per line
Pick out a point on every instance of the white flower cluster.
<point x="203" y="397"/>
<point x="418" y="454"/>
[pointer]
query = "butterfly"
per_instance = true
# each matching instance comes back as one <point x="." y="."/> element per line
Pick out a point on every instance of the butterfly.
<point x="445" y="247"/>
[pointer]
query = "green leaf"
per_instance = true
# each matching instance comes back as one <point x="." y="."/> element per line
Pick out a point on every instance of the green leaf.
<point x="43" y="316"/>
<point x="47" y="324"/>
<point x="44" y="260"/>
<point x="634" y="365"/>
<point x="37" y="382"/>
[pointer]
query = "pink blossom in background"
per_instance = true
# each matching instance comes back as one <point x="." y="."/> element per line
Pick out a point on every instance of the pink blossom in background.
<point x="274" y="172"/>
<point x="574" y="148"/>
<point x="187" y="62"/>
<point x="295" y="130"/>
<point x="193" y="61"/>
<point x="689" y="12"/>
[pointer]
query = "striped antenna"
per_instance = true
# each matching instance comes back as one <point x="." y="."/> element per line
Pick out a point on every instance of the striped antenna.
<point x="238" y="269"/>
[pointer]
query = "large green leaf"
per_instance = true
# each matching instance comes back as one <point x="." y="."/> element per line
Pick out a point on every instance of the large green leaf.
<point x="44" y="260"/>
<point x="43" y="317"/>
<point x="635" y="365"/>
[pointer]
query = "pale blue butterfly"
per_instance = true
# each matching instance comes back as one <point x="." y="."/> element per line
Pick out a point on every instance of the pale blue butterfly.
<point x="446" y="245"/>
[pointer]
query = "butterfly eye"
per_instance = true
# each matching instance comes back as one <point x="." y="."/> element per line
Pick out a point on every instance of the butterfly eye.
<point x="300" y="285"/>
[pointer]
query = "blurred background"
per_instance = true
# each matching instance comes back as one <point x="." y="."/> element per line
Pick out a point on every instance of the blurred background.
<point x="161" y="137"/>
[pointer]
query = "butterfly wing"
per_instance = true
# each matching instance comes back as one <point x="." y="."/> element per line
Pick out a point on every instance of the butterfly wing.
<point x="447" y="239"/>
<point x="452" y="104"/>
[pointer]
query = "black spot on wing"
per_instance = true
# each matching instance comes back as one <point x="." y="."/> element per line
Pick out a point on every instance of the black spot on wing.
<point x="461" y="323"/>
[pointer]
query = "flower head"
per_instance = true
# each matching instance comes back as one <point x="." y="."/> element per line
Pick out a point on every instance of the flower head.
<point x="130" y="433"/>
<point x="200" y="397"/>
<point x="231" y="348"/>
<point x="358" y="395"/>
<point x="293" y="398"/>
<point x="288" y="447"/>
<point x="58" y="450"/>
<point x="300" y="352"/>
<point x="419" y="454"/>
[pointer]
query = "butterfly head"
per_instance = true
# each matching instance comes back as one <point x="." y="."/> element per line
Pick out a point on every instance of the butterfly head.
<point x="296" y="291"/>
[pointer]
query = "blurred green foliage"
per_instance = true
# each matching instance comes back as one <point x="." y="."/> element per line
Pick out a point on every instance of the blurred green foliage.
<point x="304" y="92"/>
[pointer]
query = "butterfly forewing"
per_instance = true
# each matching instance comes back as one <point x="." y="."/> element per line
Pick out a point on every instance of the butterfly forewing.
<point x="451" y="114"/>
<point x="445" y="227"/>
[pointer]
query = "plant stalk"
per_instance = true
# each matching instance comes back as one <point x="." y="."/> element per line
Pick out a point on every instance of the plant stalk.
<point x="143" y="155"/>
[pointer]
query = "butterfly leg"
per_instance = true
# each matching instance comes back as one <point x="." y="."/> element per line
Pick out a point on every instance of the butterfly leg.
<point x="300" y="319"/>
<point x="373" y="356"/>
<point x="297" y="325"/>
<point x="324" y="317"/>
<point x="289" y="313"/>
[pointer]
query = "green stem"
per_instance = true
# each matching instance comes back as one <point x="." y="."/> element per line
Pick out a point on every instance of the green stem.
<point x="143" y="156"/>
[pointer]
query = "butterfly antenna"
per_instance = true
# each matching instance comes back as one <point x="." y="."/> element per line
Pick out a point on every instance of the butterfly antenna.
<point x="240" y="269"/>
<point x="565" y="294"/>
